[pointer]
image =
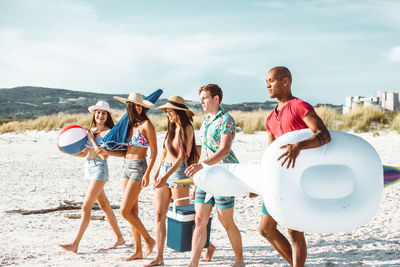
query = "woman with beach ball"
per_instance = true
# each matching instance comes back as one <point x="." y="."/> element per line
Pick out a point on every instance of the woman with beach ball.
<point x="96" y="174"/>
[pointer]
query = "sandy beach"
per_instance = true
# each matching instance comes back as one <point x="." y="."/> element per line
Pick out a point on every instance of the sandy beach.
<point x="34" y="174"/>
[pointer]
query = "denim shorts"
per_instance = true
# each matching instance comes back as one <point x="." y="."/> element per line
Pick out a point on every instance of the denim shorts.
<point x="96" y="169"/>
<point x="134" y="169"/>
<point x="177" y="175"/>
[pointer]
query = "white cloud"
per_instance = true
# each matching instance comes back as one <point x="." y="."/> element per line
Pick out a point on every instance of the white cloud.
<point x="67" y="44"/>
<point x="394" y="54"/>
<point x="81" y="52"/>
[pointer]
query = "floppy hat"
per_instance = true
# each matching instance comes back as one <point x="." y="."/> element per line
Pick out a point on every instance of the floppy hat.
<point x="176" y="102"/>
<point x="103" y="105"/>
<point x="137" y="99"/>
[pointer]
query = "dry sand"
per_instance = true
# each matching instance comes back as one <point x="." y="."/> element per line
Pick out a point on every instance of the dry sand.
<point x="35" y="175"/>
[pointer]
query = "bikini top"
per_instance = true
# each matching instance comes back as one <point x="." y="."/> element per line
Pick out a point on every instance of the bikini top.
<point x="175" y="144"/>
<point x="138" y="140"/>
<point x="98" y="140"/>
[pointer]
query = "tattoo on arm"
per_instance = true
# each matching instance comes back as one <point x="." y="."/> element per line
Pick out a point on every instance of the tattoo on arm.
<point x="320" y="138"/>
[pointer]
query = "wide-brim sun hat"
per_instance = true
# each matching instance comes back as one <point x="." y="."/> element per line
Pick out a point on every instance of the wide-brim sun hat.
<point x="176" y="102"/>
<point x="102" y="105"/>
<point x="136" y="98"/>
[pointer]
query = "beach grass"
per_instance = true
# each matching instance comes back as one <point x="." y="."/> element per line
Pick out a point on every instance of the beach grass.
<point x="2" y="121"/>
<point x="46" y="123"/>
<point x="364" y="119"/>
<point x="329" y="116"/>
<point x="60" y="120"/>
<point x="395" y="125"/>
<point x="250" y="122"/>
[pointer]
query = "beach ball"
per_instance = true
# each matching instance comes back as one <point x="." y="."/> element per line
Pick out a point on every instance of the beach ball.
<point x="72" y="139"/>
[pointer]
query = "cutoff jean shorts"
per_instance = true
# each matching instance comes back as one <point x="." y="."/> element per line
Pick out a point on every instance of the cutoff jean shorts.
<point x="177" y="175"/>
<point x="96" y="169"/>
<point x="134" y="169"/>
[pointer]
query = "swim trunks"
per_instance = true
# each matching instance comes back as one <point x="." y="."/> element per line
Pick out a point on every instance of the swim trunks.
<point x="264" y="210"/>
<point x="221" y="203"/>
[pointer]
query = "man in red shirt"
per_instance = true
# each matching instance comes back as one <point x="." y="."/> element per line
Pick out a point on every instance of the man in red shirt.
<point x="289" y="115"/>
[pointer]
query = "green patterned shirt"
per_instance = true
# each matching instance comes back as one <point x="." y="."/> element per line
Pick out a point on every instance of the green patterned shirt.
<point x="211" y="133"/>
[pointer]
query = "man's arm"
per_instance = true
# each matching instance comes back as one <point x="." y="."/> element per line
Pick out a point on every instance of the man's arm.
<point x="223" y="151"/>
<point x="321" y="137"/>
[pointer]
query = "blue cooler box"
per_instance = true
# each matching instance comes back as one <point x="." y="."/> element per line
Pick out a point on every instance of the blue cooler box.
<point x="180" y="227"/>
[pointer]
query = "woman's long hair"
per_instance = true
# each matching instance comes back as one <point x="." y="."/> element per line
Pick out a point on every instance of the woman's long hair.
<point x="135" y="118"/>
<point x="109" y="122"/>
<point x="184" y="121"/>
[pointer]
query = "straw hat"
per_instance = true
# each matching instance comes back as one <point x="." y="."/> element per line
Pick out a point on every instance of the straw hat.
<point x="103" y="105"/>
<point x="136" y="98"/>
<point x="176" y="102"/>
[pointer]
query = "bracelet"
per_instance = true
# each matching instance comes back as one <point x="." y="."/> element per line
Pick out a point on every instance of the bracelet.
<point x="97" y="150"/>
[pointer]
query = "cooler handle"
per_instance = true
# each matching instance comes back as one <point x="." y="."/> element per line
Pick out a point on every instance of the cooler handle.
<point x="174" y="203"/>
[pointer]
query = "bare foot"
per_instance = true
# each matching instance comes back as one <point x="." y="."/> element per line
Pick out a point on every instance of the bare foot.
<point x="239" y="264"/>
<point x="209" y="253"/>
<point x="155" y="262"/>
<point x="149" y="248"/>
<point x="119" y="242"/>
<point x="69" y="247"/>
<point x="135" y="256"/>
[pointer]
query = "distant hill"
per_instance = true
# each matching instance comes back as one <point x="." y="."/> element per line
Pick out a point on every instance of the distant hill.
<point x="28" y="102"/>
<point x="31" y="102"/>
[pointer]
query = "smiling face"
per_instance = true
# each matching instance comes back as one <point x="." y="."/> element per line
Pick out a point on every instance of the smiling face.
<point x="208" y="103"/>
<point x="172" y="116"/>
<point x="138" y="108"/>
<point x="100" y="116"/>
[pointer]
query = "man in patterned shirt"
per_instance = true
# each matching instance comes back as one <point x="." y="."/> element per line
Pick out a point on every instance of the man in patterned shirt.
<point x="216" y="136"/>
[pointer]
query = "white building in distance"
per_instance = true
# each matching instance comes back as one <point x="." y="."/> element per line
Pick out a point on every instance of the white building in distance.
<point x="388" y="101"/>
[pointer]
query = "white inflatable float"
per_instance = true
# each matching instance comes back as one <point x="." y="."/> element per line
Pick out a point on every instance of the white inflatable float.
<point x="333" y="188"/>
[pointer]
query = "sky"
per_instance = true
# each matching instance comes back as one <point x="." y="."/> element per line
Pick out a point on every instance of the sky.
<point x="334" y="48"/>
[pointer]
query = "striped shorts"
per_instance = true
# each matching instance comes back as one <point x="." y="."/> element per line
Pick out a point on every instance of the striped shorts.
<point x="221" y="203"/>
<point x="264" y="210"/>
